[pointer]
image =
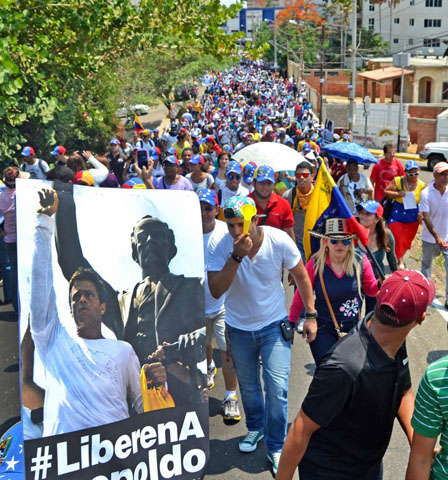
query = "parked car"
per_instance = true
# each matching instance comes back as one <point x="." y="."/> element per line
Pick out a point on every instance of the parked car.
<point x="434" y="152"/>
<point x="139" y="109"/>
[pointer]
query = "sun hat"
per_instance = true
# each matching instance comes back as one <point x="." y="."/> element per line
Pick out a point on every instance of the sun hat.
<point x="334" y="228"/>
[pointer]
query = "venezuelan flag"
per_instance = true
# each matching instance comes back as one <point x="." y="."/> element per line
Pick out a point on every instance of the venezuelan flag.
<point x="138" y="124"/>
<point x="327" y="202"/>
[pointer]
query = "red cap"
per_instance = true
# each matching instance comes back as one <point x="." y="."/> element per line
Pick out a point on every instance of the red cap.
<point x="407" y="293"/>
<point x="211" y="139"/>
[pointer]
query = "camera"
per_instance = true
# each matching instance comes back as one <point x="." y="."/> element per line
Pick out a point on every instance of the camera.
<point x="189" y="349"/>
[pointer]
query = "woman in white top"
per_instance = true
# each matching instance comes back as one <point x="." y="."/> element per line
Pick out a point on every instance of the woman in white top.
<point x="219" y="173"/>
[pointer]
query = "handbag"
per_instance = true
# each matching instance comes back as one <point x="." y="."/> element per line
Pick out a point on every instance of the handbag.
<point x="387" y="204"/>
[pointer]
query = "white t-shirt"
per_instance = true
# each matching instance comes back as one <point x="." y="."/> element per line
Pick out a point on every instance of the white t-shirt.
<point x="436" y="204"/>
<point x="226" y="193"/>
<point x="256" y="297"/>
<point x="351" y="187"/>
<point x="35" y="170"/>
<point x="206" y="183"/>
<point x="87" y="382"/>
<point x="213" y="304"/>
<point x="169" y="139"/>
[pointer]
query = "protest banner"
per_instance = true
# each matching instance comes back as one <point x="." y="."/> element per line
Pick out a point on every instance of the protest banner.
<point x="110" y="281"/>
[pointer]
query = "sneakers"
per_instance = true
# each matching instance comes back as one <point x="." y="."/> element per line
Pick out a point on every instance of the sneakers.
<point x="250" y="441"/>
<point x="274" y="458"/>
<point x="211" y="372"/>
<point x="230" y="410"/>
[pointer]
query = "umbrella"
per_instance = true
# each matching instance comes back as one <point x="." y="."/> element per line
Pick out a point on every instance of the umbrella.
<point x="350" y="151"/>
<point x="275" y="155"/>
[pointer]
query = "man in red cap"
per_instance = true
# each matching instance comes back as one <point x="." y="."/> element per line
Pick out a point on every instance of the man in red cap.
<point x="359" y="387"/>
<point x="36" y="167"/>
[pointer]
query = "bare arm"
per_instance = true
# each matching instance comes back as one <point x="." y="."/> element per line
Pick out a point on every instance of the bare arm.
<point x="404" y="414"/>
<point x="392" y="192"/>
<point x="432" y="230"/>
<point x="420" y="459"/>
<point x="219" y="282"/>
<point x="295" y="445"/>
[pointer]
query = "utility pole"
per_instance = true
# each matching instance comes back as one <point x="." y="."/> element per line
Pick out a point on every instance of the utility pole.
<point x="321" y="79"/>
<point x="353" y="58"/>
<point x="275" y="47"/>
<point x="401" y="60"/>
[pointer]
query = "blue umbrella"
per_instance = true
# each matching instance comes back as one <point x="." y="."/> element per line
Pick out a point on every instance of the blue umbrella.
<point x="350" y="151"/>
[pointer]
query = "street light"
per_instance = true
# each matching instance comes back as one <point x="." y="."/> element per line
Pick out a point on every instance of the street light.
<point x="294" y="22"/>
<point x="401" y="60"/>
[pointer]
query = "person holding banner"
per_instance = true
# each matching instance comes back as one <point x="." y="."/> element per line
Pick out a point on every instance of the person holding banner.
<point x="339" y="273"/>
<point x="89" y="379"/>
<point x="247" y="266"/>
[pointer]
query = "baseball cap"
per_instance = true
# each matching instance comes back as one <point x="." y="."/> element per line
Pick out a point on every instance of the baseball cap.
<point x="197" y="159"/>
<point x="115" y="141"/>
<point x="59" y="150"/>
<point x="306" y="147"/>
<point x="410" y="164"/>
<point x="134" y="182"/>
<point x="345" y="137"/>
<point x="440" y="167"/>
<point x="153" y="153"/>
<point x="228" y="148"/>
<point x="371" y="206"/>
<point x="233" y="167"/>
<point x="404" y="297"/>
<point x="27" y="151"/>
<point x="145" y="132"/>
<point x="84" y="177"/>
<point x="264" y="173"/>
<point x="232" y="207"/>
<point x="172" y="151"/>
<point x="248" y="172"/>
<point x="211" y="139"/>
<point x="208" y="196"/>
<point x="171" y="159"/>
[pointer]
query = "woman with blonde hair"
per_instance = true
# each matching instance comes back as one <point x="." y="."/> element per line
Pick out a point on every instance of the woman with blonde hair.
<point x="338" y="274"/>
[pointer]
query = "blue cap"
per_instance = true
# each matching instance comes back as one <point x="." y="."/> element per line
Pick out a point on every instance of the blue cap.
<point x="115" y="141"/>
<point x="172" y="151"/>
<point x="134" y="182"/>
<point x="59" y="149"/>
<point x="208" y="196"/>
<point x="197" y="159"/>
<point x="345" y="136"/>
<point x="153" y="153"/>
<point x="228" y="148"/>
<point x="27" y="151"/>
<point x="233" y="167"/>
<point x="171" y="159"/>
<point x="306" y="147"/>
<point x="410" y="164"/>
<point x="264" y="173"/>
<point x="371" y="206"/>
<point x="248" y="172"/>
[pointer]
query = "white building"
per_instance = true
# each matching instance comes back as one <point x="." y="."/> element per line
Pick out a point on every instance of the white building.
<point x="415" y="26"/>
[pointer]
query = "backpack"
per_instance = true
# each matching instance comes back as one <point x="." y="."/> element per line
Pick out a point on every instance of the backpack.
<point x="39" y="163"/>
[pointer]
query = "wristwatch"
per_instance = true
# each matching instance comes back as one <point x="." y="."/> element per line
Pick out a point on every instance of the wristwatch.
<point x="236" y="258"/>
<point x="310" y="315"/>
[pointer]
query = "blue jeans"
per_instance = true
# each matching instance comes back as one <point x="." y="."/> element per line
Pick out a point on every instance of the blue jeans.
<point x="5" y="269"/>
<point x="11" y="252"/>
<point x="429" y="252"/>
<point x="270" y="413"/>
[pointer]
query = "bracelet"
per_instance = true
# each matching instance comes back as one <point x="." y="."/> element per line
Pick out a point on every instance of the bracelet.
<point x="236" y="258"/>
<point x="310" y="315"/>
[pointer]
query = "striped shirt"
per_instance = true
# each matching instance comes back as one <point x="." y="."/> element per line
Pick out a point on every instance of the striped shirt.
<point x="430" y="418"/>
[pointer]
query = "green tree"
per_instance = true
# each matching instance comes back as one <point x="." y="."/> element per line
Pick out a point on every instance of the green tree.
<point x="60" y="61"/>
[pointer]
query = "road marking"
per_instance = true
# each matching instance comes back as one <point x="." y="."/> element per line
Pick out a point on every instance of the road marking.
<point x="440" y="307"/>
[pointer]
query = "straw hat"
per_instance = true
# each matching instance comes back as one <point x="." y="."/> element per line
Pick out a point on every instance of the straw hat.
<point x="334" y="228"/>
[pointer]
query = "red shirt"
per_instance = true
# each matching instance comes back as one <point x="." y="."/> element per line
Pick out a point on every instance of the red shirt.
<point x="383" y="173"/>
<point x="337" y="170"/>
<point x="280" y="216"/>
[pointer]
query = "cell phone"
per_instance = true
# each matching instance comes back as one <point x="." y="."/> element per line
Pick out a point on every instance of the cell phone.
<point x="142" y="158"/>
<point x="287" y="330"/>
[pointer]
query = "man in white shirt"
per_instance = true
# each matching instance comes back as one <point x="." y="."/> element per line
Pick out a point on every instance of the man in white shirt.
<point x="214" y="230"/>
<point x="36" y="167"/>
<point x="233" y="185"/>
<point x="248" y="269"/>
<point x="434" y="205"/>
<point x="89" y="379"/>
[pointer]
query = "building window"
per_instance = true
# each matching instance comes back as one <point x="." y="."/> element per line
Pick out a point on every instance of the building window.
<point x="395" y="40"/>
<point x="371" y="6"/>
<point x="433" y="3"/>
<point x="396" y="20"/>
<point x="371" y="24"/>
<point x="445" y="91"/>
<point x="412" y="2"/>
<point x="431" y="42"/>
<point x="432" y="23"/>
<point x="437" y="23"/>
<point x="410" y="41"/>
<point x="411" y="22"/>
<point x="427" y="23"/>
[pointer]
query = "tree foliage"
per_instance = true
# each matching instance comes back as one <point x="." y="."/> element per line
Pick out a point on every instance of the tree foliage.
<point x="60" y="61"/>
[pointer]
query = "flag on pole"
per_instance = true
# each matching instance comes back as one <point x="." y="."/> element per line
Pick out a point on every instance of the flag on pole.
<point x="328" y="202"/>
<point x="138" y="124"/>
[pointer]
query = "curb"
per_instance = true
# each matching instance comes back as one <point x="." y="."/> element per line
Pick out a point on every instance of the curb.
<point x="402" y="156"/>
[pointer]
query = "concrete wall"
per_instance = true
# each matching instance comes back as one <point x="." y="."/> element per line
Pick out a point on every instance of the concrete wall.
<point x="422" y="124"/>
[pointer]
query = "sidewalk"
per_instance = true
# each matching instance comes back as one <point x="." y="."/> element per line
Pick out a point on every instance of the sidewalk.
<point x="402" y="156"/>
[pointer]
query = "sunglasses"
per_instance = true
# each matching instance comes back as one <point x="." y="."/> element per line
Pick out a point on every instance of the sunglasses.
<point x="302" y="175"/>
<point x="345" y="241"/>
<point x="207" y="208"/>
<point x="232" y="176"/>
<point x="415" y="174"/>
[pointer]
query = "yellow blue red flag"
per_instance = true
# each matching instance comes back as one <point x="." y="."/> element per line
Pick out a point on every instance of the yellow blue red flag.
<point x="138" y="124"/>
<point x="328" y="202"/>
